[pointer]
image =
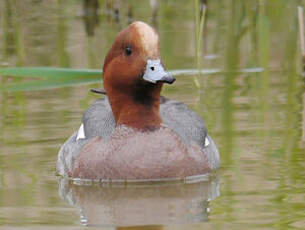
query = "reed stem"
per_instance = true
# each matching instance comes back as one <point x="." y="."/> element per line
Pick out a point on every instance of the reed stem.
<point x="301" y="32"/>
<point x="200" y="20"/>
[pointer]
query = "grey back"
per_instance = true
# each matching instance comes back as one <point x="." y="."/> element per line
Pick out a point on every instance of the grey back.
<point x="98" y="120"/>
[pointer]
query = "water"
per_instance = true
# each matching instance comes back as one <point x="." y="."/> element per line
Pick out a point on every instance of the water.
<point x="256" y="117"/>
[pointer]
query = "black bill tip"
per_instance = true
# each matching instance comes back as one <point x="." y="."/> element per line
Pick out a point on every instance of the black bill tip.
<point x="169" y="79"/>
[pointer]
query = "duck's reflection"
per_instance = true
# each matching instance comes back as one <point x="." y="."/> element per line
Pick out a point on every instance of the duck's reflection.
<point x="140" y="204"/>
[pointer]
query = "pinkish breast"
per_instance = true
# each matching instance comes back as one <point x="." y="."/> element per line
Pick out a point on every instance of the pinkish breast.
<point x="131" y="154"/>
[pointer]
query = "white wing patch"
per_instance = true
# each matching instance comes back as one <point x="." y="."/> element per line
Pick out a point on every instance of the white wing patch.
<point x="81" y="132"/>
<point x="206" y="142"/>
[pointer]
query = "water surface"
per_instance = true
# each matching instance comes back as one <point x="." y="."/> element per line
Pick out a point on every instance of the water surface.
<point x="256" y="117"/>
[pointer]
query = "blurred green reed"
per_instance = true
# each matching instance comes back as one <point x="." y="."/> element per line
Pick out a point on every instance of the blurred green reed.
<point x="200" y="14"/>
<point x="62" y="33"/>
<point x="51" y="77"/>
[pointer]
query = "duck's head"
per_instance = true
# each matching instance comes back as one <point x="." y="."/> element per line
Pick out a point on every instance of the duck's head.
<point x="134" y="74"/>
<point x="135" y="57"/>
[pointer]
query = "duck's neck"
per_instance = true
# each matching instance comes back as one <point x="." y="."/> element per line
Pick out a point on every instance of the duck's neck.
<point x="137" y="107"/>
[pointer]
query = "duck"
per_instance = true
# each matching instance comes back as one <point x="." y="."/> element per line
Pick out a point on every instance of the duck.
<point x="134" y="133"/>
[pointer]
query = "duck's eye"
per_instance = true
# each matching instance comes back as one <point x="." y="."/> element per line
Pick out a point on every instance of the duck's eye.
<point x="128" y="50"/>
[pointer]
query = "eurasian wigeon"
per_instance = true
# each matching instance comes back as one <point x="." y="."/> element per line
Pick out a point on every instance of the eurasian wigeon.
<point x="134" y="133"/>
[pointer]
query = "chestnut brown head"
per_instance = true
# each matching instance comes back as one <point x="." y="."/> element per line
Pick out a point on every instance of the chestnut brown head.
<point x="135" y="57"/>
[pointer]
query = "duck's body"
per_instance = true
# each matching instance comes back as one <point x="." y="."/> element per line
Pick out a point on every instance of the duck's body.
<point x="136" y="133"/>
<point x="99" y="129"/>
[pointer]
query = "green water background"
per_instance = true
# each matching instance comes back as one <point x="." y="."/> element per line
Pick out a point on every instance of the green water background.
<point x="256" y="119"/>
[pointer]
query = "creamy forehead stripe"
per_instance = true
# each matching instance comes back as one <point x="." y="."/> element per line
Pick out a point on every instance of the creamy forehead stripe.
<point x="149" y="38"/>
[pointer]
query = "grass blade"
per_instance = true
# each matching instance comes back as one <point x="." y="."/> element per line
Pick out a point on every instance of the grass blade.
<point x="46" y="84"/>
<point x="50" y="72"/>
<point x="64" y="77"/>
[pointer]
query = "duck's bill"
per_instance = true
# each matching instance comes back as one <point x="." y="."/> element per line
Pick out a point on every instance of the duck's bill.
<point x="155" y="73"/>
